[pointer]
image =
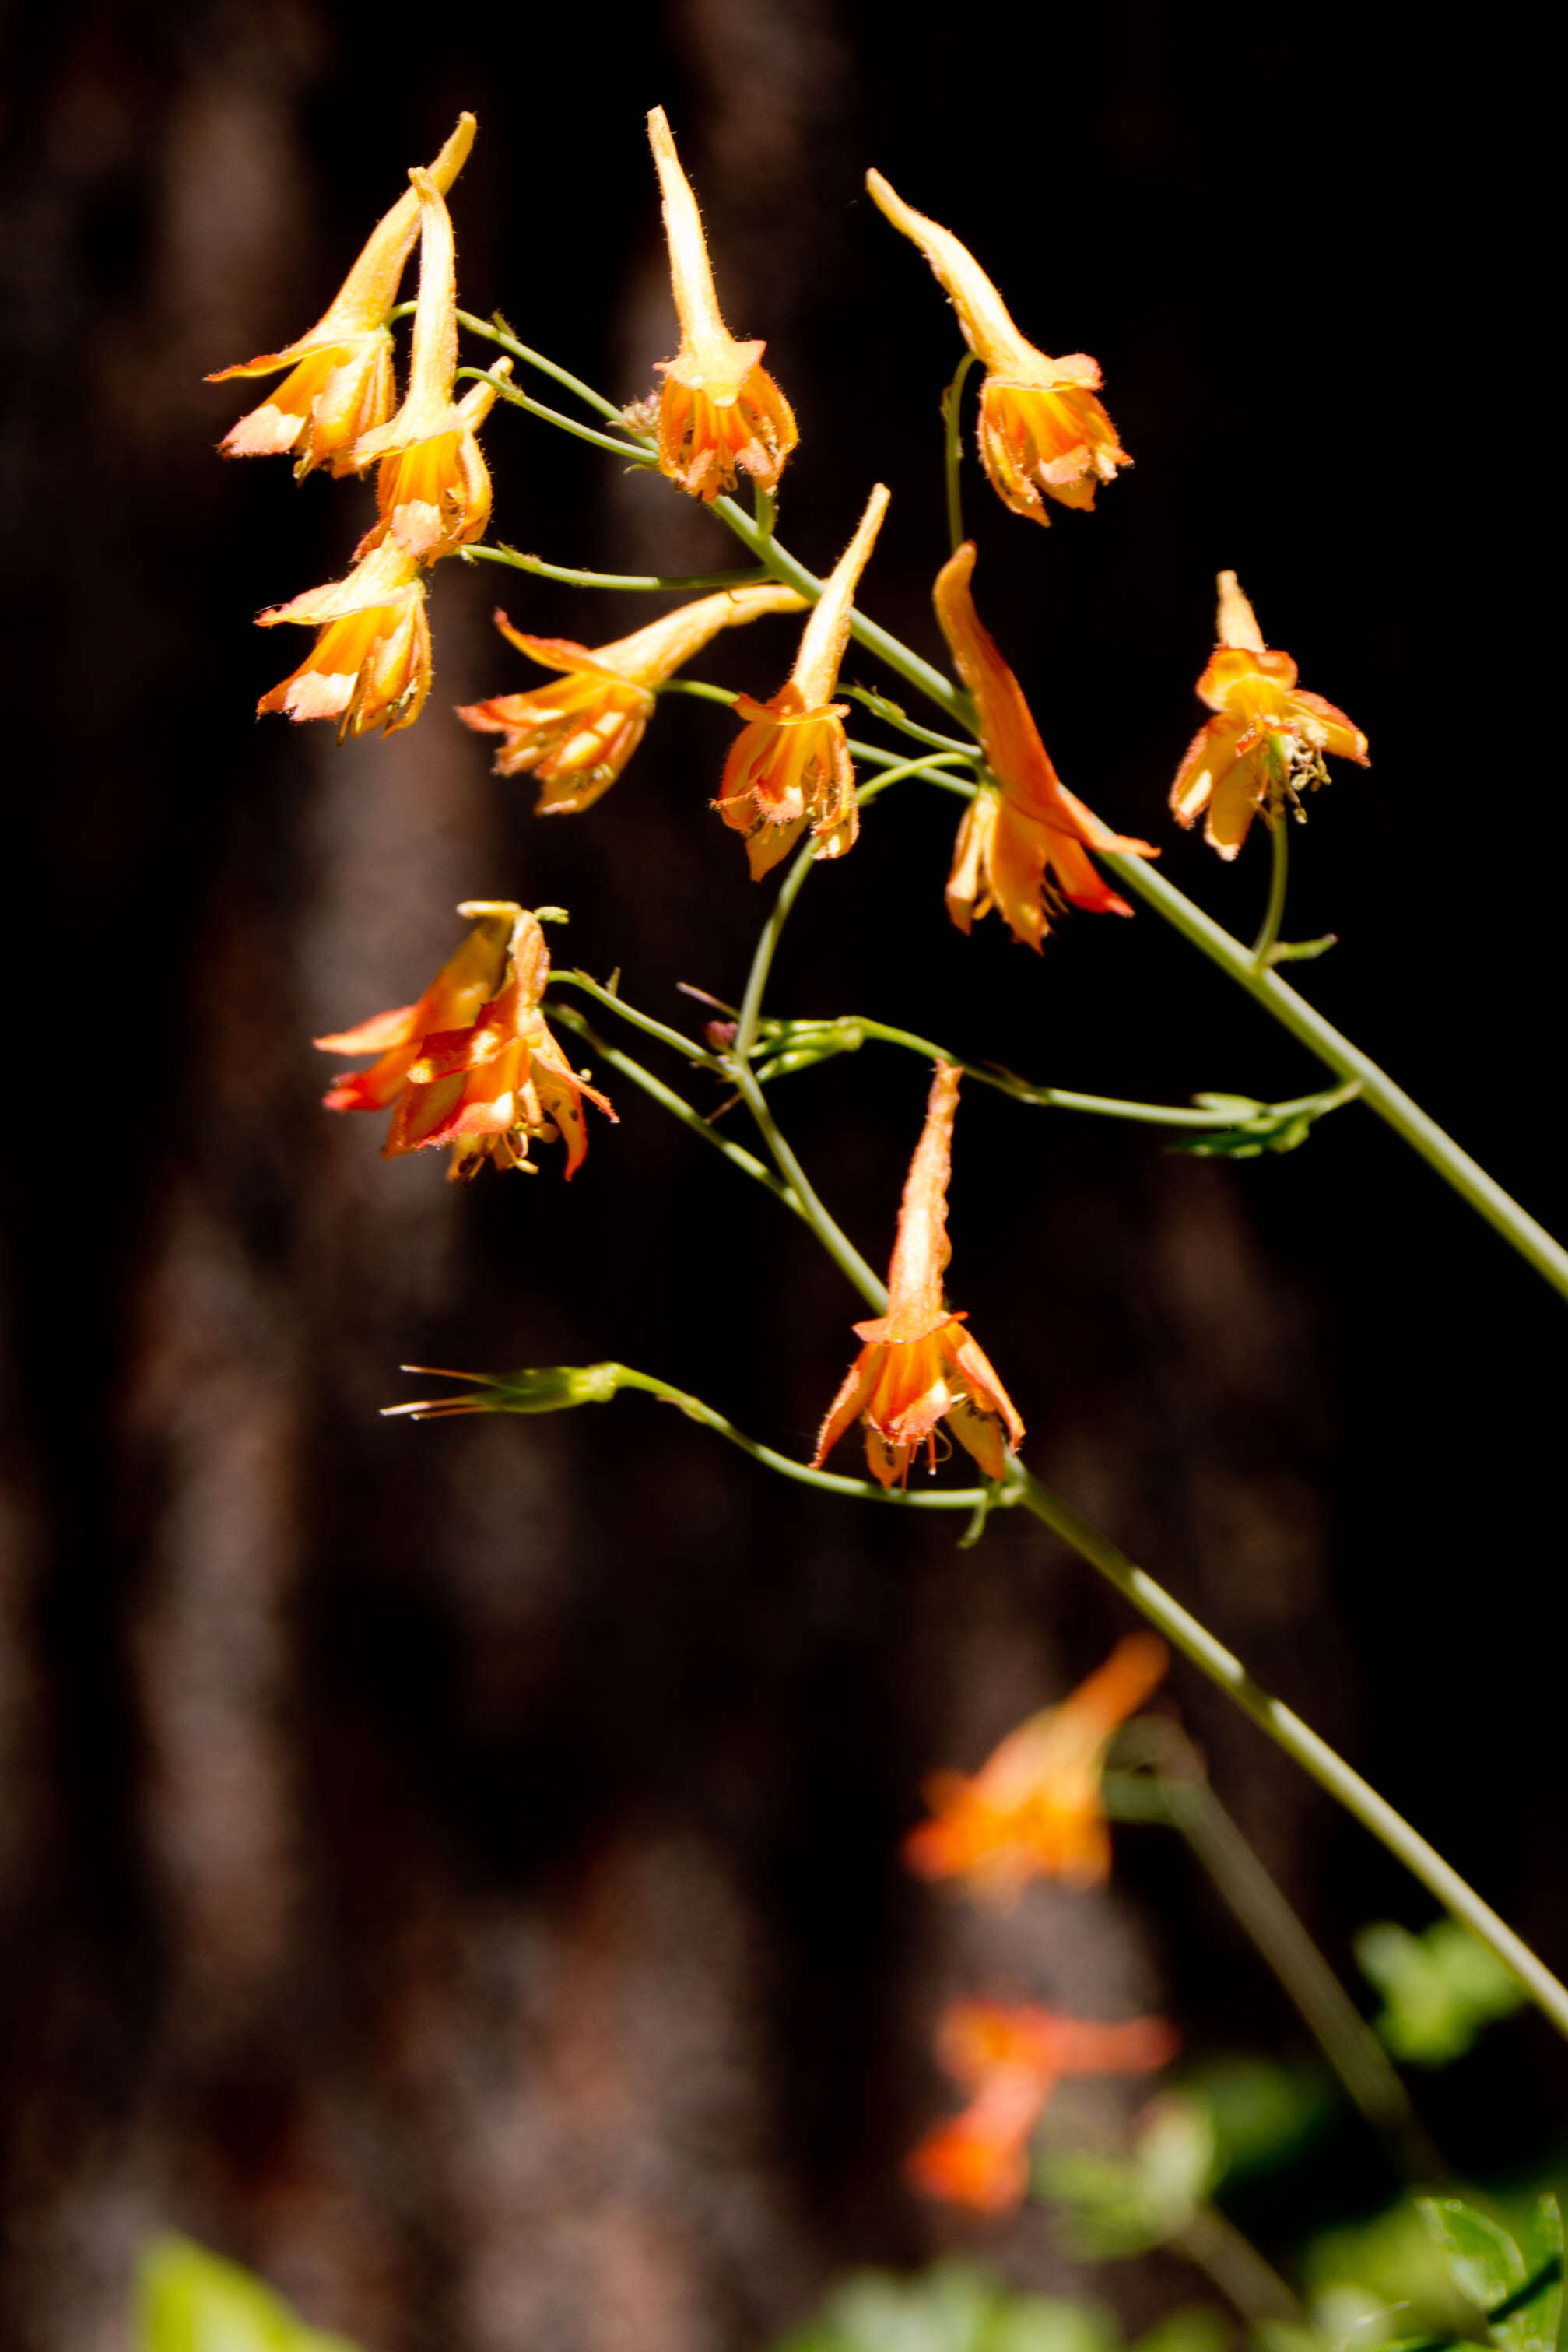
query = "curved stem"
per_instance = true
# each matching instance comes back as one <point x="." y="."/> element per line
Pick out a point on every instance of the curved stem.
<point x="498" y="331"/>
<point x="952" y="408"/>
<point x="576" y="578"/>
<point x="1279" y="876"/>
<point x="636" y="453"/>
<point x="1468" y="1178"/>
<point x="678" y="1106"/>
<point x="1299" y="1741"/>
<point x="934" y="1498"/>
<point x="675" y="1039"/>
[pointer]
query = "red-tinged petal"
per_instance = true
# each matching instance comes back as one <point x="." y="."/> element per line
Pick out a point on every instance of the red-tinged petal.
<point x="374" y="1036"/>
<point x="370" y="1089"/>
<point x="849" y="1404"/>
<point x="1081" y="882"/>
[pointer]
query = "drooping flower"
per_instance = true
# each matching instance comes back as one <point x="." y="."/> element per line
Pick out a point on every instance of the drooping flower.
<point x="370" y="664"/>
<point x="473" y="1064"/>
<point x="918" y="1365"/>
<point x="340" y="386"/>
<point x="1012" y="2057"/>
<point x="1268" y="740"/>
<point x="1009" y="836"/>
<point x="1033" y="1809"/>
<point x="432" y="487"/>
<point x="1043" y="433"/>
<point x="719" y="407"/>
<point x="789" y="767"/>
<point x="578" y="733"/>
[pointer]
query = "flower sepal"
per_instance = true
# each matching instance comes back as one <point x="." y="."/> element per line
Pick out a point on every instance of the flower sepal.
<point x="555" y="1387"/>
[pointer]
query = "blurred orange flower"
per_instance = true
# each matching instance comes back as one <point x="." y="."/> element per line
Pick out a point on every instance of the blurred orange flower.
<point x="720" y="408"/>
<point x="789" y="767"/>
<point x="1041" y="428"/>
<point x="578" y="734"/>
<point x="1012" y="2057"/>
<point x="432" y="488"/>
<point x="340" y="386"/>
<point x="918" y="1365"/>
<point x="1009" y="837"/>
<point x="1268" y="740"/>
<point x="370" y="664"/>
<point x="473" y="1064"/>
<point x="1033" y="1809"/>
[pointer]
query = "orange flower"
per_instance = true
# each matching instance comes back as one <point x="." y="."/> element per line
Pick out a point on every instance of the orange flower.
<point x="720" y="408"/>
<point x="473" y="1064"/>
<point x="432" y="488"/>
<point x="578" y="734"/>
<point x="1033" y="1808"/>
<point x="1268" y="740"/>
<point x="1041" y="428"/>
<point x="1008" y="837"/>
<point x="919" y="1366"/>
<point x="370" y="664"/>
<point x="341" y="380"/>
<point x="789" y="767"/>
<point x="1012" y="2057"/>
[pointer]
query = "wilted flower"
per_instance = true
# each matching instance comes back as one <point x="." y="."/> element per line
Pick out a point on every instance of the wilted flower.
<point x="370" y="664"/>
<point x="1009" y="837"/>
<point x="473" y="1064"/>
<point x="342" y="385"/>
<point x="578" y="734"/>
<point x="1041" y="428"/>
<point x="433" y="489"/>
<point x="718" y="408"/>
<point x="1033" y="1809"/>
<point x="789" y="767"/>
<point x="1012" y="2057"/>
<point x="918" y="1365"/>
<point x="1268" y="740"/>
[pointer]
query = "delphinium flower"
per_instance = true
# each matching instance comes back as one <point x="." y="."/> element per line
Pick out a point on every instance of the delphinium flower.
<point x="1011" y="2058"/>
<point x="432" y="487"/>
<point x="473" y="1065"/>
<point x="1010" y="835"/>
<point x="918" y="1365"/>
<point x="789" y="768"/>
<point x="718" y="408"/>
<point x="576" y="733"/>
<point x="370" y="664"/>
<point x="1267" y="741"/>
<point x="340" y="383"/>
<point x="1043" y="433"/>
<point x="1034" y="1809"/>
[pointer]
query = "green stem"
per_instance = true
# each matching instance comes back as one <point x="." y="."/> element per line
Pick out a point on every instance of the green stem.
<point x="1063" y="1099"/>
<point x="952" y="408"/>
<point x="1232" y="2263"/>
<point x="636" y="453"/>
<point x="1279" y="876"/>
<point x="678" y="1108"/>
<point x="1181" y="1788"/>
<point x="1300" y="1743"/>
<point x="836" y="1242"/>
<point x="880" y="707"/>
<point x="674" y="1038"/>
<point x="1391" y="1102"/>
<point x="935" y="1498"/>
<point x="499" y="333"/>
<point x="576" y="578"/>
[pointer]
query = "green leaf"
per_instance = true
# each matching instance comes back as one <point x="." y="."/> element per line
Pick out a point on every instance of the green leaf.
<point x="1120" y="2206"/>
<point x="952" y="2307"/>
<point x="188" y="2300"/>
<point x="1542" y="2318"/>
<point x="1485" y="2265"/>
<point x="1441" y="1990"/>
<point x="1260" y="2114"/>
<point x="1197" y="2329"/>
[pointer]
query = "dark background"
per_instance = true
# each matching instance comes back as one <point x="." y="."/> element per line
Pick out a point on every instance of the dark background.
<point x="453" y="1869"/>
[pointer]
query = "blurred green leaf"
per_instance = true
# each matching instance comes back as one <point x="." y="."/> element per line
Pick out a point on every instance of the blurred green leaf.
<point x="1485" y="2262"/>
<point x="1260" y="2114"/>
<point x="190" y="2301"/>
<point x="1439" y="1990"/>
<point x="1126" y="2205"/>
<point x="1197" y="2329"/>
<point x="952" y="2307"/>
<point x="1391" y="2264"/>
<point x="1543" y="2247"/>
<point x="1519" y="2291"/>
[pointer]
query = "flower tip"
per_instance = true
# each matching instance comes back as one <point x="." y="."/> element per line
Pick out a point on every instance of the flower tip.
<point x="1236" y="623"/>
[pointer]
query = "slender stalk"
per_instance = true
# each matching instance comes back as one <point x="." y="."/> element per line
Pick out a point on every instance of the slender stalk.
<point x="952" y="411"/>
<point x="678" y="1106"/>
<point x="837" y="1243"/>
<point x="636" y="453"/>
<point x="498" y="331"/>
<point x="675" y="1039"/>
<point x="1299" y="1741"/>
<point x="576" y="578"/>
<point x="890" y="712"/>
<point x="1468" y="1178"/>
<point x="1232" y="2263"/>
<point x="933" y="1499"/>
<point x="1279" y="877"/>
<point x="1180" y="1788"/>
